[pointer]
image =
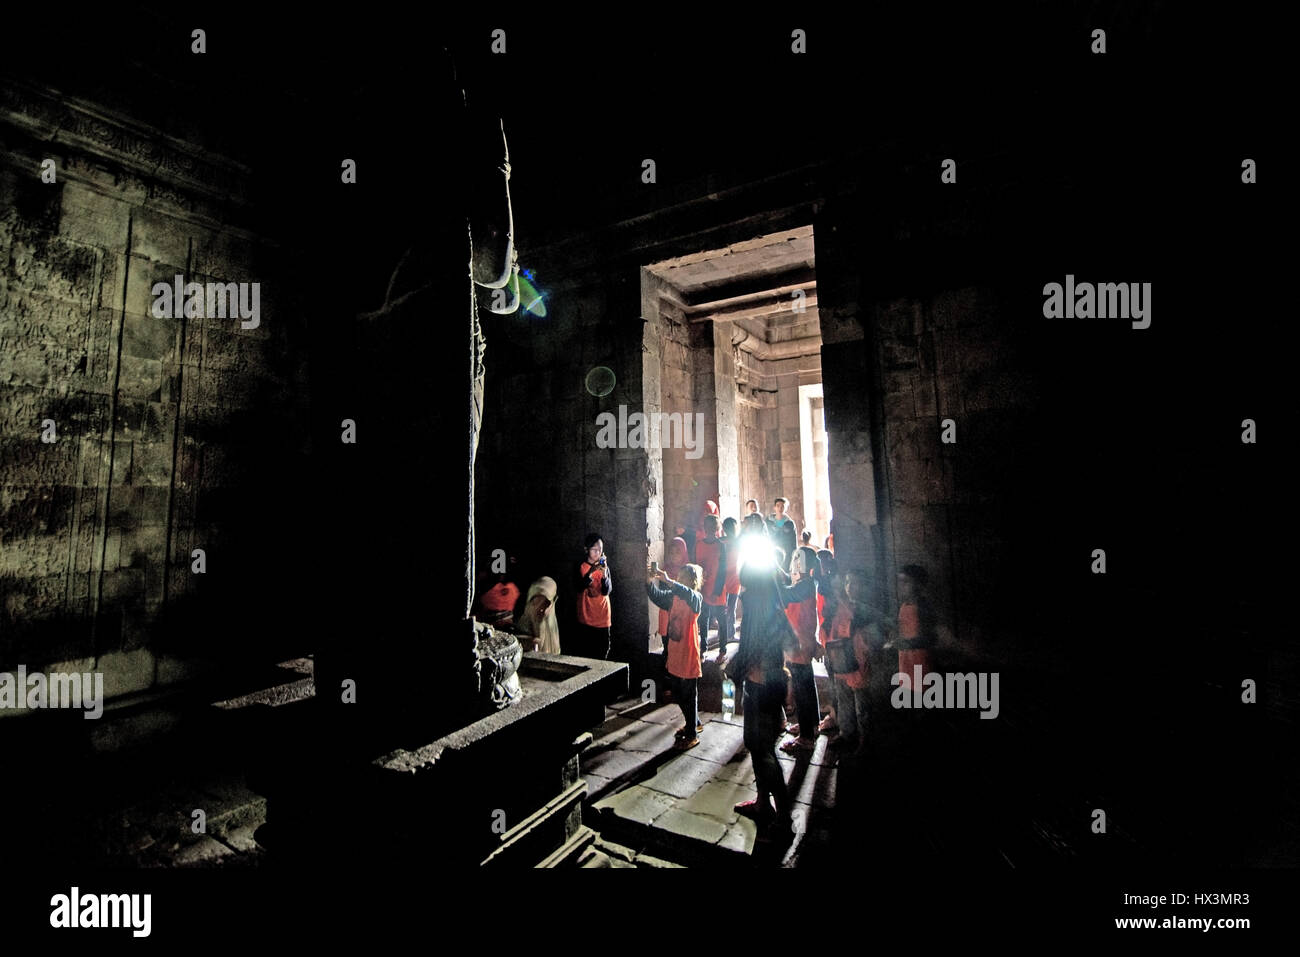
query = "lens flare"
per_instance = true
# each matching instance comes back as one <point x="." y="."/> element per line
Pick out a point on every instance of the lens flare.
<point x="530" y="300"/>
<point x="756" y="553"/>
<point x="600" y="381"/>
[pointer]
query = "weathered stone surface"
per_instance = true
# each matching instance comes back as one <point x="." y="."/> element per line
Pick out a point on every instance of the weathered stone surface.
<point x="682" y="776"/>
<point x="664" y="714"/>
<point x="817" y="787"/>
<point x="203" y="852"/>
<point x="637" y="803"/>
<point x="740" y="836"/>
<point x="738" y="771"/>
<point x="720" y="741"/>
<point x="126" y="671"/>
<point x="685" y="823"/>
<point x="717" y="799"/>
<point x="66" y="280"/>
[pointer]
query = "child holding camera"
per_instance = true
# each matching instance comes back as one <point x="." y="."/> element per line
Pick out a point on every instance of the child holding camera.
<point x="683" y="601"/>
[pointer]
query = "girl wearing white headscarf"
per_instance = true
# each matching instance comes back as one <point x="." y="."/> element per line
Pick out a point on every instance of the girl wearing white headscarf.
<point x="538" y="618"/>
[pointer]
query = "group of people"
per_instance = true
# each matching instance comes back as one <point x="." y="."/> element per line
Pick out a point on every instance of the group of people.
<point x="536" y="624"/>
<point x="795" y="609"/>
<point x="717" y="552"/>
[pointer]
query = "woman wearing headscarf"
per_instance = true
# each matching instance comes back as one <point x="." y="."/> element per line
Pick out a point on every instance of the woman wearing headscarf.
<point x="538" y="617"/>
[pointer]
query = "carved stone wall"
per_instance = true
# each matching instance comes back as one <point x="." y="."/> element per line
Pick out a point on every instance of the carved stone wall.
<point x="163" y="427"/>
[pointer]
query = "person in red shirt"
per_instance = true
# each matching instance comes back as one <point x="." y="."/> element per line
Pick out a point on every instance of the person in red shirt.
<point x="710" y="555"/>
<point x="496" y="605"/>
<point x="730" y="585"/>
<point x="683" y="601"/>
<point x="856" y="621"/>
<point x="675" y="558"/>
<point x="703" y="526"/>
<point x="915" y="635"/>
<point x="594" y="586"/>
<point x="830" y="589"/>
<point x="800" y="599"/>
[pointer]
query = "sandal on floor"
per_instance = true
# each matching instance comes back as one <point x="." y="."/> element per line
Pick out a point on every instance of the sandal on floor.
<point x="798" y="744"/>
<point x="754" y="810"/>
<point x="684" y="744"/>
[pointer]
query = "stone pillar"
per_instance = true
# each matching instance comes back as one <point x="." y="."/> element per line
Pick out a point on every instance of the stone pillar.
<point x="851" y="390"/>
<point x="724" y="395"/>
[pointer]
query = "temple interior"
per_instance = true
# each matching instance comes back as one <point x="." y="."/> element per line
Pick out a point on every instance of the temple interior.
<point x="491" y="296"/>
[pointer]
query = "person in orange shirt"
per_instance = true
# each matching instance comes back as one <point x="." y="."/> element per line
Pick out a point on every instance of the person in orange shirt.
<point x="915" y="635"/>
<point x="683" y="601"/>
<point x="675" y="558"/>
<point x="703" y="527"/>
<point x="594" y="586"/>
<point x="710" y="555"/>
<point x="854" y="620"/>
<point x="496" y="605"/>
<point x="800" y="599"/>
<point x="830" y="592"/>
<point x="730" y="584"/>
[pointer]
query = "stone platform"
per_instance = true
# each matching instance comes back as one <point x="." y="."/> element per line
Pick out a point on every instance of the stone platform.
<point x="502" y="790"/>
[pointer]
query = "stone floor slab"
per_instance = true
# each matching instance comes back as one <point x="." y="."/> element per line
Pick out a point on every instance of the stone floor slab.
<point x="695" y="826"/>
<point x="817" y="786"/>
<point x="719" y="742"/>
<point x="664" y="714"/>
<point x="649" y="738"/>
<point x="596" y="783"/>
<point x="717" y="799"/>
<point x="738" y="771"/>
<point x="613" y="763"/>
<point x="617" y="851"/>
<point x="638" y="804"/>
<point x="682" y="776"/>
<point x="740" y="836"/>
<point x="624" y="705"/>
<point x="615" y="729"/>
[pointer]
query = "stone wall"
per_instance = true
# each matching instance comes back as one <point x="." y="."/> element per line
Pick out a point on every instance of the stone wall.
<point x="752" y="411"/>
<point x="771" y="453"/>
<point x="909" y="342"/>
<point x="946" y="357"/>
<point x="170" y="434"/>
<point x="542" y="481"/>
